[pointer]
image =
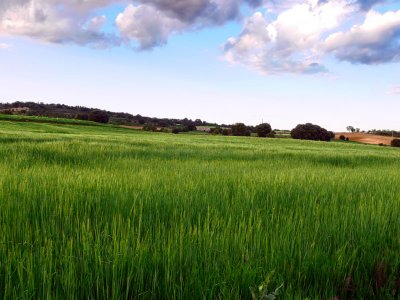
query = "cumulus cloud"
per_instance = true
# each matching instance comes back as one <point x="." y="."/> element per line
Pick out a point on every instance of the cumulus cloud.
<point x="55" y="21"/>
<point x="283" y="36"/>
<point x="301" y="36"/>
<point x="375" y="41"/>
<point x="151" y="22"/>
<point x="291" y="42"/>
<point x="202" y="11"/>
<point x="146" y="22"/>
<point x="147" y="25"/>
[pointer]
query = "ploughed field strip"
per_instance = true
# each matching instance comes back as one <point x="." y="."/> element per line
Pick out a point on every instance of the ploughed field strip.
<point x="97" y="212"/>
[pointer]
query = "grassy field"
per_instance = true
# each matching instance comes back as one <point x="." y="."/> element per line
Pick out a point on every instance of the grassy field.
<point x="37" y="119"/>
<point x="97" y="212"/>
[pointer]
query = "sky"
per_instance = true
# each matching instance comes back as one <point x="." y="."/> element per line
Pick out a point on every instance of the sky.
<point x="329" y="62"/>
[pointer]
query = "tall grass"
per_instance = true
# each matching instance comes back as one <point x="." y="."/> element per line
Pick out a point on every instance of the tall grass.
<point x="108" y="213"/>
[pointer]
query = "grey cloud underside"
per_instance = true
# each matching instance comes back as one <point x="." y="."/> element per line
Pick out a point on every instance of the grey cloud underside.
<point x="150" y="22"/>
<point x="205" y="11"/>
<point x="363" y="4"/>
<point x="387" y="50"/>
<point x="56" y="21"/>
<point x="367" y="4"/>
<point x="293" y="39"/>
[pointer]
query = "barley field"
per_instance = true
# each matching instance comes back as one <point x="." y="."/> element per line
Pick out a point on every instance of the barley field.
<point x="98" y="212"/>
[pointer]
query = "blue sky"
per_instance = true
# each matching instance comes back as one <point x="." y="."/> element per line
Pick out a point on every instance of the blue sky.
<point x="333" y="63"/>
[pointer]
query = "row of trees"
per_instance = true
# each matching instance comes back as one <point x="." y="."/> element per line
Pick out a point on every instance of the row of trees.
<point x="306" y="131"/>
<point x="385" y="132"/>
<point x="241" y="129"/>
<point x="85" y="113"/>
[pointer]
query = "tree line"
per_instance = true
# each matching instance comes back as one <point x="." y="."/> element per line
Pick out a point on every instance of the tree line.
<point x="94" y="114"/>
<point x="306" y="131"/>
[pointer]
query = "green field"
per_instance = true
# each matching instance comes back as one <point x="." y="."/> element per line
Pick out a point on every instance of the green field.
<point x="98" y="212"/>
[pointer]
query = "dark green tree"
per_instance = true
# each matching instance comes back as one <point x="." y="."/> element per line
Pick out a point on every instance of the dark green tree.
<point x="310" y="131"/>
<point x="263" y="130"/>
<point x="395" y="143"/>
<point x="98" y="116"/>
<point x="240" y="129"/>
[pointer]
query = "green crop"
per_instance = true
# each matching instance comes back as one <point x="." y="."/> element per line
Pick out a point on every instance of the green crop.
<point x="98" y="212"/>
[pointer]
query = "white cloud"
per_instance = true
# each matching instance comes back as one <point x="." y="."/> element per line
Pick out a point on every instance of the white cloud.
<point x="148" y="22"/>
<point x="375" y="41"/>
<point x="284" y="36"/>
<point x="96" y="23"/>
<point x="55" y="21"/>
<point x="149" y="26"/>
<point x="152" y="21"/>
<point x="291" y="43"/>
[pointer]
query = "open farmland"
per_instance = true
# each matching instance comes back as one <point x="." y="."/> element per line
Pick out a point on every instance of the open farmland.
<point x="366" y="138"/>
<point x="98" y="212"/>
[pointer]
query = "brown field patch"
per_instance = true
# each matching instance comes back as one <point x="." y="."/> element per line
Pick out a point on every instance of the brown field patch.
<point x="366" y="138"/>
<point x="132" y="127"/>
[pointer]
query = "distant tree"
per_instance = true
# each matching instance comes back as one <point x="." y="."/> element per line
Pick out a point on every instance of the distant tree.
<point x="167" y="130"/>
<point x="226" y="131"/>
<point x="240" y="129"/>
<point x="184" y="129"/>
<point x="191" y="126"/>
<point x="216" y="130"/>
<point x="357" y="129"/>
<point x="149" y="127"/>
<point x="310" y="131"/>
<point x="6" y="112"/>
<point x="98" y="116"/>
<point x="350" y="129"/>
<point x="263" y="130"/>
<point x="82" y="116"/>
<point x="175" y="130"/>
<point x="395" y="143"/>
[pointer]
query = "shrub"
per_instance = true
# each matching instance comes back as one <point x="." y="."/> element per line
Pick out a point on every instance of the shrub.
<point x="395" y="143"/>
<point x="216" y="130"/>
<point x="7" y="112"/>
<point x="175" y="130"/>
<point x="82" y="116"/>
<point x="164" y="129"/>
<point x="331" y="134"/>
<point x="263" y="130"/>
<point x="179" y="129"/>
<point x="226" y="131"/>
<point x="98" y="116"/>
<point x="342" y="137"/>
<point x="149" y="127"/>
<point x="312" y="132"/>
<point x="192" y="127"/>
<point x="240" y="129"/>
